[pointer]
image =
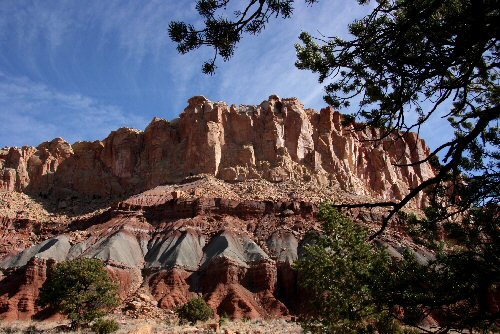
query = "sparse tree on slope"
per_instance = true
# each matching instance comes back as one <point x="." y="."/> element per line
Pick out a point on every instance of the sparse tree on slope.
<point x="80" y="289"/>
<point x="339" y="269"/>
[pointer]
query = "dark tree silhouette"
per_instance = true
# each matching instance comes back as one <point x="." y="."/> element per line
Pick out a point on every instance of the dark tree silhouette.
<point x="404" y="62"/>
<point x="223" y="33"/>
<point x="404" y="57"/>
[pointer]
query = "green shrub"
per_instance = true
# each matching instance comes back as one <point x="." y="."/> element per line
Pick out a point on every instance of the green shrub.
<point x="223" y="319"/>
<point x="196" y="309"/>
<point x="339" y="270"/>
<point x="80" y="289"/>
<point x="105" y="326"/>
<point x="387" y="325"/>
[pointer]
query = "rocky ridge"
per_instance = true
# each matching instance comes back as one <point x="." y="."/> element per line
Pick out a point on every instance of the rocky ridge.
<point x="278" y="140"/>
<point x="217" y="203"/>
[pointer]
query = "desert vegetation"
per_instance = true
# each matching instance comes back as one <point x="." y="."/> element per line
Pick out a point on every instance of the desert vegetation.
<point x="195" y="310"/>
<point x="82" y="290"/>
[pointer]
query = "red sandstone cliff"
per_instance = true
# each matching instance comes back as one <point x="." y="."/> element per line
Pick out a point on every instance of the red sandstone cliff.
<point x="230" y="235"/>
<point x="276" y="141"/>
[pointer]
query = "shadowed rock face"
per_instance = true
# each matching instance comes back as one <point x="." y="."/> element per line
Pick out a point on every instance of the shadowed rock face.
<point x="56" y="248"/>
<point x="19" y="290"/>
<point x="178" y="248"/>
<point x="277" y="140"/>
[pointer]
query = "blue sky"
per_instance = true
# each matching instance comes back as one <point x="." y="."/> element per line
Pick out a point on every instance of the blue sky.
<point x="80" y="69"/>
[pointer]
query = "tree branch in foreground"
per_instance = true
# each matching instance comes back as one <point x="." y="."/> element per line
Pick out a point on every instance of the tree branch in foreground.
<point x="461" y="144"/>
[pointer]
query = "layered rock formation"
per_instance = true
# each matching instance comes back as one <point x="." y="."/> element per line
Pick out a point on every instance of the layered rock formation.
<point x="177" y="249"/>
<point x="237" y="254"/>
<point x="216" y="203"/>
<point x="276" y="141"/>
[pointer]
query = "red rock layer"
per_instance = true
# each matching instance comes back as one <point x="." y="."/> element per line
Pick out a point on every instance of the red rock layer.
<point x="210" y="247"/>
<point x="277" y="140"/>
<point x="19" y="290"/>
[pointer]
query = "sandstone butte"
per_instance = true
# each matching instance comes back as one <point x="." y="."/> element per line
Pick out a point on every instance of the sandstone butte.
<point x="215" y="203"/>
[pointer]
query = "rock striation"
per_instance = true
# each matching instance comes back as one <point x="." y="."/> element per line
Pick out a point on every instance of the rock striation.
<point x="237" y="254"/>
<point x="277" y="140"/>
<point x="174" y="250"/>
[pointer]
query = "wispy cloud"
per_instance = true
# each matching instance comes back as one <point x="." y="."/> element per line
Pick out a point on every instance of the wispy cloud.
<point x="31" y="112"/>
<point x="39" y="20"/>
<point x="137" y="27"/>
<point x="79" y="69"/>
<point x="265" y="64"/>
